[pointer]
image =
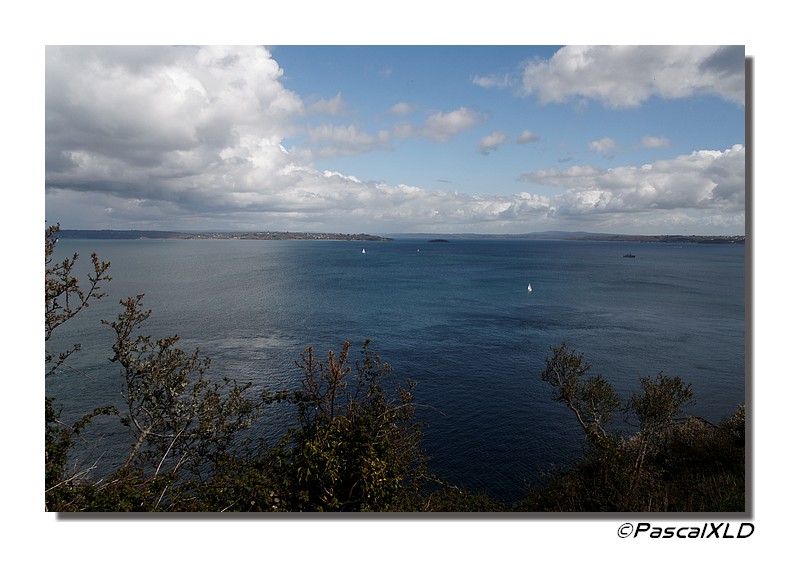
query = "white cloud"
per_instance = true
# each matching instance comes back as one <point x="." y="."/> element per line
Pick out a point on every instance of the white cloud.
<point x="328" y="201"/>
<point x="492" y="81"/>
<point x="491" y="142"/>
<point x="626" y="76"/>
<point x="331" y="106"/>
<point x="329" y="140"/>
<point x="527" y="137"/>
<point x="602" y="146"/>
<point x="442" y="126"/>
<point x="702" y="181"/>
<point x="653" y="142"/>
<point x="172" y="124"/>
<point x="402" y="108"/>
<point x="334" y="140"/>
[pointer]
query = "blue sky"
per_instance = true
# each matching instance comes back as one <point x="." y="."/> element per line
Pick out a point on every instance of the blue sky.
<point x="387" y="139"/>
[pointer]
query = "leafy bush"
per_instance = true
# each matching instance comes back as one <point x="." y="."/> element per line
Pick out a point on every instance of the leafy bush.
<point x="671" y="463"/>
<point x="357" y="445"/>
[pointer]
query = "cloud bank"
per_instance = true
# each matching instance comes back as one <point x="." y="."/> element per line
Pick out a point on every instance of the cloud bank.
<point x="704" y="180"/>
<point x="626" y="76"/>
<point x="621" y="76"/>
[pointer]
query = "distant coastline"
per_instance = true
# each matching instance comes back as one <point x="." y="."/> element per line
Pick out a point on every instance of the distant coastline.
<point x="214" y="235"/>
<point x="600" y="237"/>
<point x="433" y="237"/>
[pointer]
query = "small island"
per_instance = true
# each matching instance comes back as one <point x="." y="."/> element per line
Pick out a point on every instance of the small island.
<point x="438" y="240"/>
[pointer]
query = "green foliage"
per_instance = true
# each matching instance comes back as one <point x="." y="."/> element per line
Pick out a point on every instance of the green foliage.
<point x="453" y="499"/>
<point x="671" y="463"/>
<point x="57" y="442"/>
<point x="357" y="446"/>
<point x="63" y="296"/>
<point x="62" y="487"/>
<point x="661" y="401"/>
<point x="243" y="482"/>
<point x="181" y="423"/>
<point x="593" y="400"/>
<point x="736" y="427"/>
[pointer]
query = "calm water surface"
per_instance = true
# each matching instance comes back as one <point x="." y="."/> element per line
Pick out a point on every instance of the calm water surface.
<point x="455" y="317"/>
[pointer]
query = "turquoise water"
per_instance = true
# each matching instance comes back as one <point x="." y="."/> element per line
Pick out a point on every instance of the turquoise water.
<point x="455" y="317"/>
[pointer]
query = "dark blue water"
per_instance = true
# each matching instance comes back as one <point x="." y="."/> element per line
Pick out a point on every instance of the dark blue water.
<point x="455" y="317"/>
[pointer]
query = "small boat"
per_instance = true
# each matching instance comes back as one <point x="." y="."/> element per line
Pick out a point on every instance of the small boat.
<point x="628" y="256"/>
<point x="530" y="288"/>
<point x="363" y="251"/>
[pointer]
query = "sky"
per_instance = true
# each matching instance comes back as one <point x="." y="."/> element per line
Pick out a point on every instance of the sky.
<point x="397" y="139"/>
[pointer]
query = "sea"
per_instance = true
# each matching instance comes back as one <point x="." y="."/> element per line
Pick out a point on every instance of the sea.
<point x="456" y="317"/>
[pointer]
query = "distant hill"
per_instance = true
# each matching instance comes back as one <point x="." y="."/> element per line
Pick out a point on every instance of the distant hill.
<point x="120" y="234"/>
<point x="210" y="235"/>
<point x="595" y="236"/>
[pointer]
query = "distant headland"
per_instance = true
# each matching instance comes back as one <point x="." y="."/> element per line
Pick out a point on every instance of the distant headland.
<point x="173" y="235"/>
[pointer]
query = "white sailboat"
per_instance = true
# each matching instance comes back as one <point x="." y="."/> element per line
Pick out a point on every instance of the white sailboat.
<point x="363" y="251"/>
<point x="530" y="288"/>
